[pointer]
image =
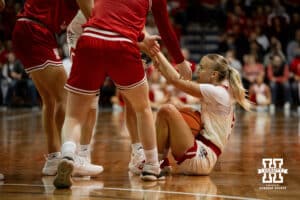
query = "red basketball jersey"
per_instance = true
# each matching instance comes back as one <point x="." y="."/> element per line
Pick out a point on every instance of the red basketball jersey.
<point x="125" y="17"/>
<point x="128" y="17"/>
<point x="54" y="14"/>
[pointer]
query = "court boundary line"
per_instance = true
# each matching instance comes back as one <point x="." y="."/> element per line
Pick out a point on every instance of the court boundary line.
<point x="145" y="190"/>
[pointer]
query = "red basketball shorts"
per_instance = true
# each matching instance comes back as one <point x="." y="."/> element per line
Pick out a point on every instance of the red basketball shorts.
<point x="34" y="45"/>
<point x="102" y="53"/>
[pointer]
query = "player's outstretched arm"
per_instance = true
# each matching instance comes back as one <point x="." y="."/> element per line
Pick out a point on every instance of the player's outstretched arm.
<point x="86" y="7"/>
<point x="174" y="78"/>
<point x="161" y="17"/>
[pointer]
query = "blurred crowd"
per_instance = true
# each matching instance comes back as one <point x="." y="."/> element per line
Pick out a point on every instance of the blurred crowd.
<point x="260" y="38"/>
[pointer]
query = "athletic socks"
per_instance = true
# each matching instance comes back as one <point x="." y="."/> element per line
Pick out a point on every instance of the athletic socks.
<point x="68" y="150"/>
<point x="152" y="156"/>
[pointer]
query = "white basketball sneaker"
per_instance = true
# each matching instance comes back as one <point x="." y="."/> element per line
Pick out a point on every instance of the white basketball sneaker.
<point x="137" y="161"/>
<point x="51" y="164"/>
<point x="152" y="172"/>
<point x="83" y="167"/>
<point x="85" y="154"/>
<point x="64" y="171"/>
<point x="78" y="166"/>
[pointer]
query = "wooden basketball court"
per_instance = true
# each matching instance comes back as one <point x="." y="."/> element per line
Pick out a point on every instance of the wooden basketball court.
<point x="256" y="136"/>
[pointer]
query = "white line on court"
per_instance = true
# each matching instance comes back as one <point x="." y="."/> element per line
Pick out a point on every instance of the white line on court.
<point x="141" y="190"/>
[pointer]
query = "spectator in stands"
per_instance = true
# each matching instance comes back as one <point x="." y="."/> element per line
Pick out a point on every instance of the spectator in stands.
<point x="275" y="49"/>
<point x="292" y="6"/>
<point x="178" y="11"/>
<point x="211" y="11"/>
<point x="261" y="38"/>
<point x="241" y="42"/>
<point x="248" y="27"/>
<point x="295" y="69"/>
<point x="278" y="11"/>
<point x="278" y="75"/>
<point x="295" y="24"/>
<point x="5" y="83"/>
<point x="9" y="19"/>
<point x="251" y="70"/>
<point x="256" y="50"/>
<point x="259" y="17"/>
<point x="20" y="85"/>
<point x="239" y="17"/>
<point x="277" y="28"/>
<point x="292" y="46"/>
<point x="226" y="43"/>
<point x="235" y="63"/>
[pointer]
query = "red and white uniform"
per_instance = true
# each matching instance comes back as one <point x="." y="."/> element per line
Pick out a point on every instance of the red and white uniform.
<point x="34" y="39"/>
<point x="128" y="18"/>
<point x="217" y="115"/>
<point x="108" y="44"/>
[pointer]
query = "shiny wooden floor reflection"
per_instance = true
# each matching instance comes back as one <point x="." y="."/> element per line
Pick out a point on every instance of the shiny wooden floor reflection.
<point x="256" y="136"/>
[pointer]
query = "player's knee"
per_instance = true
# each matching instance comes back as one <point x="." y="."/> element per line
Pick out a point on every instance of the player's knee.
<point x="48" y="102"/>
<point x="60" y="99"/>
<point x="60" y="106"/>
<point x="167" y="110"/>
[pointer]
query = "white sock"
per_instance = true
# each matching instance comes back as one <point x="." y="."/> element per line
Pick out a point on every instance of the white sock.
<point x="68" y="149"/>
<point x="151" y="156"/>
<point x="136" y="147"/>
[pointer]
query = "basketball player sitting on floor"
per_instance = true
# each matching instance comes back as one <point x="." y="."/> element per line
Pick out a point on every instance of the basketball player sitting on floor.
<point x="219" y="87"/>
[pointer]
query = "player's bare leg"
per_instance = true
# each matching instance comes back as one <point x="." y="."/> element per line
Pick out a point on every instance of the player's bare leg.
<point x="138" y="98"/>
<point x="137" y="157"/>
<point x="172" y="131"/>
<point x="75" y="120"/>
<point x="50" y="85"/>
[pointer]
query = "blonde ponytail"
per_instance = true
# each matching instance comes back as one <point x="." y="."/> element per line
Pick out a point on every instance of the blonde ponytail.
<point x="220" y="64"/>
<point x="237" y="88"/>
